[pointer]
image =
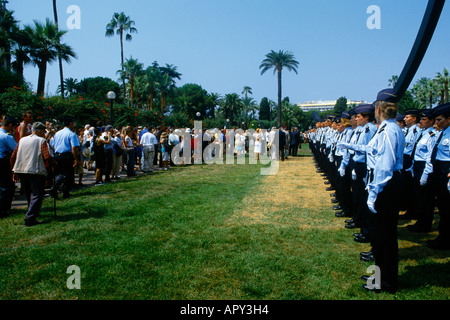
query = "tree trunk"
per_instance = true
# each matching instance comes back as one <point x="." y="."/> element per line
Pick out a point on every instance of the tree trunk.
<point x="61" y="74"/>
<point x="279" y="98"/>
<point x="121" y="55"/>
<point x="152" y="90"/>
<point x="162" y="102"/>
<point x="446" y="91"/>
<point x="131" y="91"/>
<point x="42" y="66"/>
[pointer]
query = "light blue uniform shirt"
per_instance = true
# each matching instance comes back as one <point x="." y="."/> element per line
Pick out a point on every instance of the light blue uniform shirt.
<point x="64" y="140"/>
<point x="7" y="144"/>
<point x="384" y="157"/>
<point x="344" y="136"/>
<point x="353" y="138"/>
<point x="410" y="139"/>
<point x="425" y="144"/>
<point x="365" y="136"/>
<point x="443" y="152"/>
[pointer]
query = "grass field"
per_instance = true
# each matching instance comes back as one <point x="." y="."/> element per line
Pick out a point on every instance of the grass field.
<point x="206" y="232"/>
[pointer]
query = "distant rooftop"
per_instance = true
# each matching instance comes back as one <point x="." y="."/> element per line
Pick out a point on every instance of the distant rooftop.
<point x="325" y="105"/>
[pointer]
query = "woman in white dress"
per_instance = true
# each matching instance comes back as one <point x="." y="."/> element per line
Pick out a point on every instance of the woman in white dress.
<point x="258" y="143"/>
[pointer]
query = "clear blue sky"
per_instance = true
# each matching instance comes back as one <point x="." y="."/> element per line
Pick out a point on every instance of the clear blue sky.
<point x="219" y="44"/>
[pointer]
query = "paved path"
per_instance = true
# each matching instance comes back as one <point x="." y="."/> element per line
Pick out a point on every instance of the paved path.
<point x="20" y="201"/>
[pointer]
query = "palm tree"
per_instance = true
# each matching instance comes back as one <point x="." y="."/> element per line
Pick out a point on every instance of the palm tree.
<point x="443" y="79"/>
<point x="278" y="61"/>
<point x="131" y="69"/>
<point x="171" y="70"/>
<point x="8" y="26"/>
<point x="45" y="48"/>
<point x="249" y="105"/>
<point x="120" y="24"/>
<point x="165" y="84"/>
<point x="231" y="104"/>
<point x="425" y="91"/>
<point x="70" y="87"/>
<point x="393" y="81"/>
<point x="246" y="91"/>
<point x="215" y="98"/>
<point x="21" y="51"/>
<point x="153" y="75"/>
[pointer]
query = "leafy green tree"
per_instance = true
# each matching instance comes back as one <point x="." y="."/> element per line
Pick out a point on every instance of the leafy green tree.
<point x="340" y="106"/>
<point x="190" y="99"/>
<point x="264" y="109"/>
<point x="121" y="24"/>
<point x="46" y="47"/>
<point x="97" y="88"/>
<point x="278" y="61"/>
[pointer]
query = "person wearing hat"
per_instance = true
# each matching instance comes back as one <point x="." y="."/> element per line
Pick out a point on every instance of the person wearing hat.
<point x="364" y="119"/>
<point x="436" y="174"/>
<point x="66" y="146"/>
<point x="401" y="123"/>
<point x="384" y="165"/>
<point x="422" y="198"/>
<point x="7" y="147"/>
<point x="28" y="162"/>
<point x="412" y="118"/>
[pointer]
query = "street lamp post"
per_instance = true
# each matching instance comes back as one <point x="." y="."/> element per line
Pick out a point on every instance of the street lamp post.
<point x="111" y="96"/>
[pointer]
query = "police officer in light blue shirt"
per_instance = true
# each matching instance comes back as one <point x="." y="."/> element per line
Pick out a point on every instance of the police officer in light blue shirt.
<point x="66" y="146"/>
<point x="436" y="175"/>
<point x="364" y="118"/>
<point x="422" y="198"/>
<point x="384" y="163"/>
<point x="412" y="117"/>
<point x="7" y="147"/>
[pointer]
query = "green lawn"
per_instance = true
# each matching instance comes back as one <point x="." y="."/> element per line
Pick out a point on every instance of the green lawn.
<point x="174" y="235"/>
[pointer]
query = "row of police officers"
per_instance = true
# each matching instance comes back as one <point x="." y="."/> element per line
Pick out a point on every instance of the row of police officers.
<point x="376" y="169"/>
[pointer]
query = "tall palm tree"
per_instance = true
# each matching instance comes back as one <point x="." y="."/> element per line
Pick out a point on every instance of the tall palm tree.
<point x="131" y="69"/>
<point x="443" y="79"/>
<point x="121" y="24"/>
<point x="45" y="48"/>
<point x="153" y="75"/>
<point x="278" y="61"/>
<point x="165" y="84"/>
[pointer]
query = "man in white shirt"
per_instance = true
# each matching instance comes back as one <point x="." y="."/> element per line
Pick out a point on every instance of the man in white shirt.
<point x="148" y="142"/>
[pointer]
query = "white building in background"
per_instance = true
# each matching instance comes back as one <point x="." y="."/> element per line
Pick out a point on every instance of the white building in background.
<point x="321" y="106"/>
